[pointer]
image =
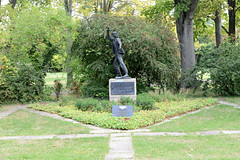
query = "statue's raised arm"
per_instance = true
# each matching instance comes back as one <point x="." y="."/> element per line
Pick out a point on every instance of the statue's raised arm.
<point x="109" y="37"/>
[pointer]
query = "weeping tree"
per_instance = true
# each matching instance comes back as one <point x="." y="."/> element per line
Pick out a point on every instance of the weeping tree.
<point x="151" y="52"/>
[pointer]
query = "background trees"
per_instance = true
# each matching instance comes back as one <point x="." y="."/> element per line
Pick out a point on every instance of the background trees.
<point x="33" y="32"/>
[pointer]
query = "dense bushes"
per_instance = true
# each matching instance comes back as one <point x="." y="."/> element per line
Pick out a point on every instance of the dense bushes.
<point x="145" y="101"/>
<point x="223" y="65"/>
<point x="90" y="104"/>
<point x="151" y="51"/>
<point x="21" y="83"/>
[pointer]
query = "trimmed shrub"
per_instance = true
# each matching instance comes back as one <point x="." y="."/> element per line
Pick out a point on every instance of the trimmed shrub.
<point x="86" y="104"/>
<point x="145" y="101"/>
<point x="127" y="101"/>
<point x="90" y="104"/>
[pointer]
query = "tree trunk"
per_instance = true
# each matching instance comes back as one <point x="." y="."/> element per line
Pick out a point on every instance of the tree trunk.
<point x="218" y="28"/>
<point x="232" y="15"/>
<point x="68" y="8"/>
<point x="184" y="26"/>
<point x="13" y="2"/>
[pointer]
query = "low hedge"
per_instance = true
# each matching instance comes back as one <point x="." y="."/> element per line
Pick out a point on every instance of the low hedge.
<point x="139" y="119"/>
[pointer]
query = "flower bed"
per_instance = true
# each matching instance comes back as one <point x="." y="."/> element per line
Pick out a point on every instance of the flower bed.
<point x="140" y="119"/>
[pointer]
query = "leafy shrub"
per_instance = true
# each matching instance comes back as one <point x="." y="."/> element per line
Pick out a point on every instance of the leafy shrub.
<point x="223" y="64"/>
<point x="127" y="101"/>
<point x="86" y="104"/>
<point x="23" y="84"/>
<point x="91" y="89"/>
<point x="139" y="119"/>
<point x="150" y="51"/>
<point x="90" y="104"/>
<point x="145" y="101"/>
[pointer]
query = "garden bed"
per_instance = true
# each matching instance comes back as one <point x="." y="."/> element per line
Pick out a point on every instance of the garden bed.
<point x="140" y="119"/>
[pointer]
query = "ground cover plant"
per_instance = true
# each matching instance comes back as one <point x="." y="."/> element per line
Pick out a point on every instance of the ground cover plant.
<point x="57" y="149"/>
<point x="140" y="119"/>
<point x="25" y="123"/>
<point x="219" y="147"/>
<point x="220" y="117"/>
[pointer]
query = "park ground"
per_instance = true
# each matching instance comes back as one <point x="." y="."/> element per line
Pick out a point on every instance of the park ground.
<point x="211" y="133"/>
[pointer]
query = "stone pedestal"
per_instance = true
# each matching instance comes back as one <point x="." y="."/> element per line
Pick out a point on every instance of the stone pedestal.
<point x="122" y="88"/>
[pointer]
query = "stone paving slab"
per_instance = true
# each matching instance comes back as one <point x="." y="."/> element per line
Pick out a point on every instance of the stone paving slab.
<point x="10" y="111"/>
<point x="122" y="156"/>
<point x="27" y="137"/>
<point x="176" y="134"/>
<point x="230" y="104"/>
<point x="231" y="132"/>
<point x="53" y="136"/>
<point x="150" y="134"/>
<point x="120" y="147"/>
<point x="206" y="133"/>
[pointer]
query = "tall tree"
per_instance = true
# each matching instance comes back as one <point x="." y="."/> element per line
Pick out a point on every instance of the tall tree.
<point x="218" y="28"/>
<point x="232" y="18"/>
<point x="68" y="8"/>
<point x="184" y="25"/>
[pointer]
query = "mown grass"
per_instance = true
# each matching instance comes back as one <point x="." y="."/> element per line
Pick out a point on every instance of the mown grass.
<point x="7" y="107"/>
<point x="55" y="149"/>
<point x="218" y="147"/>
<point x="233" y="99"/>
<point x="51" y="77"/>
<point x="25" y="123"/>
<point x="220" y="117"/>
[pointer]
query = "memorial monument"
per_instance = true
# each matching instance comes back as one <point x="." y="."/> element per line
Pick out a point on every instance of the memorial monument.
<point x="120" y="86"/>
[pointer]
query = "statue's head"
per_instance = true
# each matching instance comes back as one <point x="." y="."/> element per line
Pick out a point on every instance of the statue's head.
<point x="115" y="35"/>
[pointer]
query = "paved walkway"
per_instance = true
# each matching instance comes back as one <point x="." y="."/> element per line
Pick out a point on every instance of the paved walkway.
<point x="120" y="141"/>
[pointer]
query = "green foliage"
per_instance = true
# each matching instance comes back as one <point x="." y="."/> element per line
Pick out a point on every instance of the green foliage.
<point x="23" y="84"/>
<point x="223" y="64"/>
<point x="151" y="51"/>
<point x="225" y="74"/>
<point x="56" y="64"/>
<point x="127" y="101"/>
<point x="93" y="89"/>
<point x="145" y="101"/>
<point x="139" y="119"/>
<point x="90" y="104"/>
<point x="37" y="34"/>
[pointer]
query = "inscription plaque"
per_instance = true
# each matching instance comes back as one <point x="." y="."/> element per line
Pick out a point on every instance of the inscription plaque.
<point x="122" y="111"/>
<point x="122" y="88"/>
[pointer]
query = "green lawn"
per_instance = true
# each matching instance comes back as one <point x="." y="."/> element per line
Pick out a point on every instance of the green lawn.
<point x="233" y="100"/>
<point x="220" y="117"/>
<point x="25" y="123"/>
<point x="7" y="107"/>
<point x="55" y="149"/>
<point x="220" y="147"/>
<point x="51" y="77"/>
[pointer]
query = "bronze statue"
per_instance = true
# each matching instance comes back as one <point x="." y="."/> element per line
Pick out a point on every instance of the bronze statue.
<point x="118" y="50"/>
